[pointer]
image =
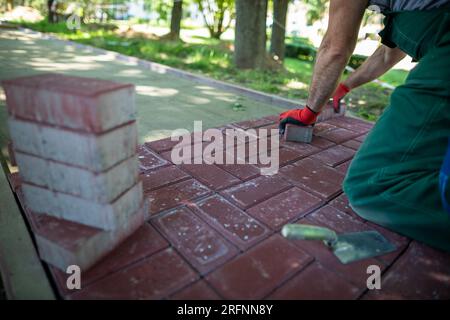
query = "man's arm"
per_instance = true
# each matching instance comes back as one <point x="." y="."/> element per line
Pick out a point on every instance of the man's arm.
<point x="336" y="48"/>
<point x="383" y="59"/>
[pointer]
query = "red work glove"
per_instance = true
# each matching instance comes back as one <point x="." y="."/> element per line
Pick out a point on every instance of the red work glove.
<point x="300" y="117"/>
<point x="341" y="91"/>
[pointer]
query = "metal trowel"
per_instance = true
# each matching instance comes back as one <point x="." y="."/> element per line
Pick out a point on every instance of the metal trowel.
<point x="347" y="247"/>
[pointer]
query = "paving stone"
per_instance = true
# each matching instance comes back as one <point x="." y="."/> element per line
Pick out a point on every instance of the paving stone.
<point x="361" y="138"/>
<point x="197" y="291"/>
<point x="180" y="193"/>
<point x="241" y="171"/>
<point x="144" y="242"/>
<point x="338" y="135"/>
<point x="329" y="113"/>
<point x="167" y="144"/>
<point x="106" y="216"/>
<point x="162" y="177"/>
<point x="343" y="167"/>
<point x="254" y="123"/>
<point x="304" y="149"/>
<point x="285" y="207"/>
<point x="341" y="203"/>
<point x="233" y="223"/>
<point x="198" y="242"/>
<point x="355" y="272"/>
<point x="101" y="187"/>
<point x="62" y="243"/>
<point x="256" y="190"/>
<point x="313" y="176"/>
<point x="352" y="124"/>
<point x="14" y="181"/>
<point x="211" y="175"/>
<point x="260" y="270"/>
<point x="316" y="283"/>
<point x="149" y="160"/>
<point x="337" y="220"/>
<point x="96" y="153"/>
<point x="86" y="104"/>
<point x="352" y="144"/>
<point x="321" y="142"/>
<point x="420" y="273"/>
<point x="322" y="127"/>
<point x="335" y="155"/>
<point x="155" y="277"/>
<point x="298" y="133"/>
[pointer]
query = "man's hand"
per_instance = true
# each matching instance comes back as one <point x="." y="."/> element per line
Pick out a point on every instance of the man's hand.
<point x="340" y="93"/>
<point x="299" y="117"/>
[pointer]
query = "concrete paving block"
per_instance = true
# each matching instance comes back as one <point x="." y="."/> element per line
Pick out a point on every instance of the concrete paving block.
<point x="101" y="187"/>
<point x="85" y="104"/>
<point x="93" y="152"/>
<point x="99" y="215"/>
<point x="329" y="113"/>
<point x="62" y="243"/>
<point x="299" y="133"/>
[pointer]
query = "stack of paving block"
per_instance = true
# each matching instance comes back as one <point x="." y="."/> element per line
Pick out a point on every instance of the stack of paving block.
<point x="75" y="142"/>
<point x="305" y="133"/>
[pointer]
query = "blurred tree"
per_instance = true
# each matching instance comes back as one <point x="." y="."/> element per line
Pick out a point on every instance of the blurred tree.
<point x="9" y="5"/>
<point x="214" y="14"/>
<point x="316" y="10"/>
<point x="250" y="34"/>
<point x="277" y="46"/>
<point x="51" y="7"/>
<point x="175" y="21"/>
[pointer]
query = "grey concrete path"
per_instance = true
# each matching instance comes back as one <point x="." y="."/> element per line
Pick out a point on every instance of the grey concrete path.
<point x="165" y="102"/>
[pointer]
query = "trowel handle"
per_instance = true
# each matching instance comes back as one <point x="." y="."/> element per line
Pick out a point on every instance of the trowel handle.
<point x="307" y="232"/>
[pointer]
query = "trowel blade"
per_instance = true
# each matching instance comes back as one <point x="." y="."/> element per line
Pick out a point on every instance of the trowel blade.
<point x="356" y="246"/>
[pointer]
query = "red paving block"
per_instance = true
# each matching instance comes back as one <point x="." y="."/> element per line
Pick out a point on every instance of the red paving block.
<point x="316" y="283"/>
<point x="341" y="203"/>
<point x="62" y="243"/>
<point x="352" y="124"/>
<point x="256" y="190"/>
<point x="285" y="207"/>
<point x="260" y="270"/>
<point x="169" y="197"/>
<point x="313" y="176"/>
<point x="162" y="177"/>
<point x="334" y="156"/>
<point x="321" y="142"/>
<point x="86" y="104"/>
<point x="254" y="123"/>
<point x="241" y="171"/>
<point x="211" y="175"/>
<point x="338" y="135"/>
<point x="343" y="167"/>
<point x="420" y="273"/>
<point x="199" y="243"/>
<point x="143" y="243"/>
<point x="155" y="277"/>
<point x="14" y="181"/>
<point x="233" y="223"/>
<point x="336" y="220"/>
<point x="197" y="291"/>
<point x="304" y="149"/>
<point x="352" y="144"/>
<point x="361" y="138"/>
<point x="322" y="127"/>
<point x="149" y="160"/>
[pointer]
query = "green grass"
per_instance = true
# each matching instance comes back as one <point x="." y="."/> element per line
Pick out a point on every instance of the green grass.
<point x="214" y="58"/>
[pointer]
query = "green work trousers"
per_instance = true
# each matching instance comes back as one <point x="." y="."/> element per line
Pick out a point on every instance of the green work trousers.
<point x="393" y="180"/>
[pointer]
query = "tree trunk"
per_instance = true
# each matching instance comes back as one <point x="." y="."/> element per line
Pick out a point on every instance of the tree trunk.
<point x="277" y="45"/>
<point x="175" y="20"/>
<point x="51" y="13"/>
<point x="9" y="5"/>
<point x="250" y="34"/>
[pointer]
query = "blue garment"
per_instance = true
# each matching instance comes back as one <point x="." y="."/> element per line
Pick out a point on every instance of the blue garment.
<point x="444" y="179"/>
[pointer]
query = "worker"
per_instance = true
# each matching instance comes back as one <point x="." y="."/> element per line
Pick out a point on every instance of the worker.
<point x="395" y="178"/>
